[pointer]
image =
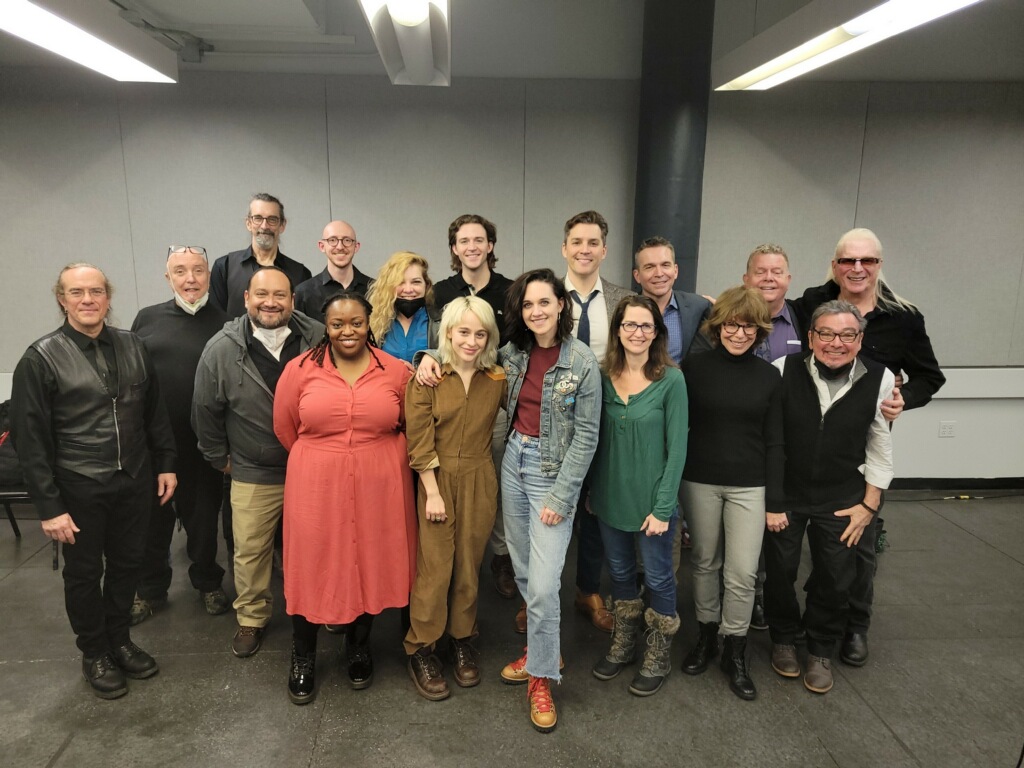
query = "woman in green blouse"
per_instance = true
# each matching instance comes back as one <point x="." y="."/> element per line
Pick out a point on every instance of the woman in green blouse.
<point x="634" y="480"/>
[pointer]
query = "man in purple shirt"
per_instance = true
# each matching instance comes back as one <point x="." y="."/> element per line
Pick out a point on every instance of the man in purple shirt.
<point x="768" y="272"/>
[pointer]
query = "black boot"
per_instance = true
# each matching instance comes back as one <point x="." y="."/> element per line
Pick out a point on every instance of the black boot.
<point x="357" y="652"/>
<point x="734" y="664"/>
<point x="704" y="651"/>
<point x="302" y="679"/>
<point x="657" y="665"/>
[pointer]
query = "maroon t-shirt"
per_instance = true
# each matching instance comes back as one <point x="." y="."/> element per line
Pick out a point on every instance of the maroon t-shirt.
<point x="527" y="419"/>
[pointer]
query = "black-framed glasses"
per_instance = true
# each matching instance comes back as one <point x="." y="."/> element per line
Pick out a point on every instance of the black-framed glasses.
<point x="733" y="327"/>
<point x="198" y="250"/>
<point x="259" y="221"/>
<point x="847" y="337"/>
<point x="647" y="329"/>
<point x="348" y="242"/>
<point x="867" y="261"/>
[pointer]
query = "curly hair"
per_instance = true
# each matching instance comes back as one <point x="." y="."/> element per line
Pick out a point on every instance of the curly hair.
<point x="489" y="229"/>
<point x="322" y="349"/>
<point x="518" y="333"/>
<point x="382" y="293"/>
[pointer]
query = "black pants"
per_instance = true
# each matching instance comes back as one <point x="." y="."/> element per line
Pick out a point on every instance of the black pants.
<point x="197" y="501"/>
<point x="589" y="549"/>
<point x="828" y="588"/>
<point x="101" y="569"/>
<point x="862" y="593"/>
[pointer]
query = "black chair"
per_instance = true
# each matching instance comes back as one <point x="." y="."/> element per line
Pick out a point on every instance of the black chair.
<point x="18" y="494"/>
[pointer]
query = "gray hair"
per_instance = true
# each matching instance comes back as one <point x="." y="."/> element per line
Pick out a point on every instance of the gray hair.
<point x="838" y="307"/>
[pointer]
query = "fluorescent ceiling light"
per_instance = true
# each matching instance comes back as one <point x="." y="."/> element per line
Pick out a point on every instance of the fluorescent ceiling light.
<point x="886" y="20"/>
<point x="413" y="38"/>
<point x="68" y="37"/>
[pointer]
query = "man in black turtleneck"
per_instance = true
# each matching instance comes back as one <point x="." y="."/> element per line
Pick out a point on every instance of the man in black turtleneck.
<point x="838" y="461"/>
<point x="175" y="333"/>
<point x="92" y="433"/>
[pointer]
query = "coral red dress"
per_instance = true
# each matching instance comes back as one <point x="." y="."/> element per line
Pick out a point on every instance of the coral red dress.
<point x="349" y="511"/>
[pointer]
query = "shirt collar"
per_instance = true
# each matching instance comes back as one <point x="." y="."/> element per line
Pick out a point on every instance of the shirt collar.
<point x="82" y="341"/>
<point x="598" y="286"/>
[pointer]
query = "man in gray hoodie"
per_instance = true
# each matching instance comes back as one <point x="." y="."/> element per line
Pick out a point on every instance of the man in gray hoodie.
<point x="233" y="418"/>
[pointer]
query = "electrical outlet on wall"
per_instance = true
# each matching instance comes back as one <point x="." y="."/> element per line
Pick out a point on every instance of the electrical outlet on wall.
<point x="946" y="429"/>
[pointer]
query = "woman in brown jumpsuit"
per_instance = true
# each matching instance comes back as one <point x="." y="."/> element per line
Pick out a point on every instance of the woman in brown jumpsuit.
<point x="449" y="434"/>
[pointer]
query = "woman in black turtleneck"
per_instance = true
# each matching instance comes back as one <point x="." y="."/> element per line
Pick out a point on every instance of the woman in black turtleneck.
<point x="733" y="474"/>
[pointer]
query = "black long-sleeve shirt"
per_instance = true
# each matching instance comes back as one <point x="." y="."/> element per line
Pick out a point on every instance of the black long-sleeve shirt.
<point x="32" y="391"/>
<point x="895" y="338"/>
<point x="736" y="435"/>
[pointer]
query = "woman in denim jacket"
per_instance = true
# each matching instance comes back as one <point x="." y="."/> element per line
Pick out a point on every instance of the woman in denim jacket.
<point x="554" y="407"/>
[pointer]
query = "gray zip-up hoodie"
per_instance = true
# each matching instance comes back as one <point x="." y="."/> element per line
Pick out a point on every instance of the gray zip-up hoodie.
<point x="233" y="408"/>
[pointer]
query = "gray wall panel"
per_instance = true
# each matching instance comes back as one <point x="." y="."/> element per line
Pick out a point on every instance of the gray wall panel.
<point x="194" y="154"/>
<point x="63" y="196"/>
<point x="406" y="161"/>
<point x="943" y="187"/>
<point x="580" y="154"/>
<point x="780" y="166"/>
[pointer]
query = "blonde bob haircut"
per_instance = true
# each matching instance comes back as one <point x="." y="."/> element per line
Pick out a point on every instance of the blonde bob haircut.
<point x="738" y="304"/>
<point x="450" y="320"/>
<point x="382" y="292"/>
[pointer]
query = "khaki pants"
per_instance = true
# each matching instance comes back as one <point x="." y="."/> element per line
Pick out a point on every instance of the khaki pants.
<point x="444" y="596"/>
<point x="256" y="511"/>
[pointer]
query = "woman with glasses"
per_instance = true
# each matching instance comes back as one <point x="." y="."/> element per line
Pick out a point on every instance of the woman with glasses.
<point x="402" y="301"/>
<point x="634" y="484"/>
<point x="895" y="337"/>
<point x="349" y="514"/>
<point x="733" y="474"/>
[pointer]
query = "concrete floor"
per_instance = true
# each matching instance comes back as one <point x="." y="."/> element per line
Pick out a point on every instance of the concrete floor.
<point x="944" y="686"/>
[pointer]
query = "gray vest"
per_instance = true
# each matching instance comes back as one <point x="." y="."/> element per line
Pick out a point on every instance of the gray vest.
<point x="95" y="432"/>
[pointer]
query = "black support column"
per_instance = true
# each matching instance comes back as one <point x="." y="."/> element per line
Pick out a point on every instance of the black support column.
<point x="674" y="88"/>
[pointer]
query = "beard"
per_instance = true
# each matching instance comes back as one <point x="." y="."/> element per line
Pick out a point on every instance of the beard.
<point x="265" y="240"/>
<point x="278" y="321"/>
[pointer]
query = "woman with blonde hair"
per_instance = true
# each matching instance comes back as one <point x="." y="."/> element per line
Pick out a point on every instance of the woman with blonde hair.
<point x="449" y="432"/>
<point x="734" y="466"/>
<point x="402" y="301"/>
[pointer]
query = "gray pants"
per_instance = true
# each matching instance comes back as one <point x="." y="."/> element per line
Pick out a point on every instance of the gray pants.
<point x="726" y="530"/>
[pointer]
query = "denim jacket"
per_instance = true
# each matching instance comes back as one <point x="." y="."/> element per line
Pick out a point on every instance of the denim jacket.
<point x="570" y="417"/>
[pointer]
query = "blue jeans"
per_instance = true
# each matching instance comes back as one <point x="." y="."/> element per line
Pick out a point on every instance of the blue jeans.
<point x="620" y="551"/>
<point x="537" y="550"/>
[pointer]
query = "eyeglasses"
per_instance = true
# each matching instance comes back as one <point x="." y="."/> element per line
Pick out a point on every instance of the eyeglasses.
<point x="348" y="242"/>
<point x="846" y="336"/>
<point x="867" y="261"/>
<point x="748" y="328"/>
<point x="270" y="221"/>
<point x="198" y="250"/>
<point x="647" y="329"/>
<point x="79" y="293"/>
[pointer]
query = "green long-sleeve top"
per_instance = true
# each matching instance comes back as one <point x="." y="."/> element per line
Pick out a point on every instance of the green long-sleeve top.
<point x="640" y="453"/>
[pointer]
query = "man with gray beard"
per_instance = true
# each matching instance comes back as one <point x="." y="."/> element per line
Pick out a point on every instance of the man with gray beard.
<point x="230" y="274"/>
<point x="233" y="418"/>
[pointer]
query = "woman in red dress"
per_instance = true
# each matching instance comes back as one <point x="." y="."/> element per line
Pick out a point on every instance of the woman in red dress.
<point x="350" y="514"/>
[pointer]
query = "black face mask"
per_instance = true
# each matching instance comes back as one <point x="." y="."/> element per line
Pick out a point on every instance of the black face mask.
<point x="410" y="307"/>
<point x="832" y="373"/>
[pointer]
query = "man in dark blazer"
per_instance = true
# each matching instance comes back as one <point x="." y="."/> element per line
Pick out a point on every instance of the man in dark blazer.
<point x="655" y="269"/>
<point x="584" y="247"/>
